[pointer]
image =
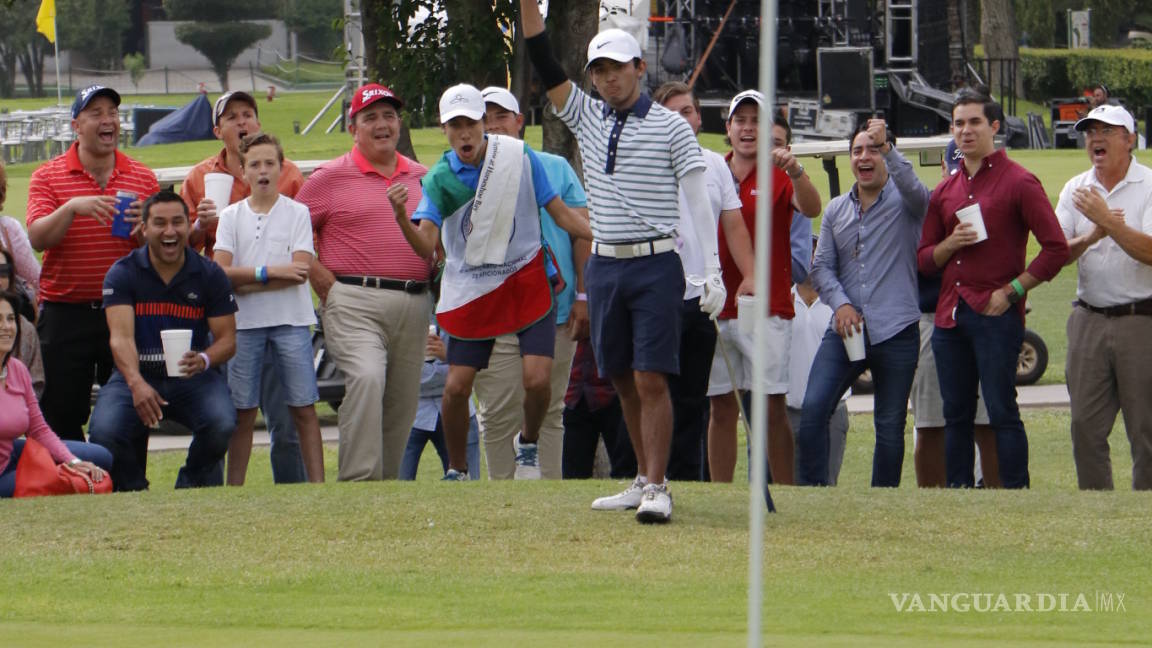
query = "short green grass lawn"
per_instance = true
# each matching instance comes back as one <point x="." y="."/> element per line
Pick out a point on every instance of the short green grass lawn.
<point x="516" y="563"/>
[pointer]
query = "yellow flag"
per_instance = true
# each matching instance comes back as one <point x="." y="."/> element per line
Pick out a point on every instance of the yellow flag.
<point x="46" y="19"/>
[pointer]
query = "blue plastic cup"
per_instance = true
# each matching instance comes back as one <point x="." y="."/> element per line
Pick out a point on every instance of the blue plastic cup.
<point x="121" y="228"/>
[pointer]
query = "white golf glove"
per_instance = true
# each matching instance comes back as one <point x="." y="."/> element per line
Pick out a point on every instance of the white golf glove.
<point x="714" y="293"/>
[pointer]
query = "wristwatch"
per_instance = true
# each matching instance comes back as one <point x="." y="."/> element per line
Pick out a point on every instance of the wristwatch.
<point x="798" y="173"/>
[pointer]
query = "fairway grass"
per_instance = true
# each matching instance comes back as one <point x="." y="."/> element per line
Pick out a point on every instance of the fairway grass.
<point x="516" y="563"/>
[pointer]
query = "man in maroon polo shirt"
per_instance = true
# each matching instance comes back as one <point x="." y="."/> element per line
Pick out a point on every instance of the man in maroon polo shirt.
<point x="373" y="288"/>
<point x="980" y="314"/>
<point x="71" y="207"/>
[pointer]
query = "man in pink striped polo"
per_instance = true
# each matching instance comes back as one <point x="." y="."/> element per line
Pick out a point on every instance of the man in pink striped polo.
<point x="373" y="288"/>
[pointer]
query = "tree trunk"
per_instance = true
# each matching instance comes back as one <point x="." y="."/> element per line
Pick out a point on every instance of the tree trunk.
<point x="571" y="25"/>
<point x="375" y="16"/>
<point x="959" y="50"/>
<point x="998" y="34"/>
<point x="476" y="42"/>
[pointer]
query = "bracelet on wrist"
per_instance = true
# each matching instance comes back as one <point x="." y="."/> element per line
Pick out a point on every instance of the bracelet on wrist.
<point x="1018" y="287"/>
<point x="262" y="274"/>
<point x="204" y="357"/>
<point x="581" y="296"/>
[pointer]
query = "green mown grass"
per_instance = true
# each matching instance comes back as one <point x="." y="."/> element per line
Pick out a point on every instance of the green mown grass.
<point x="516" y="563"/>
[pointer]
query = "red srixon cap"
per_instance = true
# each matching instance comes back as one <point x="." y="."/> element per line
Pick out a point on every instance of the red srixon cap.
<point x="366" y="95"/>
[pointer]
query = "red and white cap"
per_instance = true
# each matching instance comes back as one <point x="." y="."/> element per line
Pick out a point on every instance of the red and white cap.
<point x="370" y="93"/>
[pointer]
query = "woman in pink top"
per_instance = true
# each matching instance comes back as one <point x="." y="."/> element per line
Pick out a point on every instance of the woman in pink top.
<point x="20" y="413"/>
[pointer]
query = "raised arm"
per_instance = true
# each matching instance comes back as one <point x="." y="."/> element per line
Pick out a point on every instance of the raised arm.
<point x="556" y="82"/>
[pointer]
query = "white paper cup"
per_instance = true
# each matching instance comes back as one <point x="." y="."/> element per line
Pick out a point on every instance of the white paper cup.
<point x="218" y="189"/>
<point x="176" y="342"/>
<point x="971" y="214"/>
<point x="854" y="343"/>
<point x="746" y="314"/>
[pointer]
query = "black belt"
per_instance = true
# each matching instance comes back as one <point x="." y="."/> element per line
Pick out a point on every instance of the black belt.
<point x="1142" y="307"/>
<point x="410" y="286"/>
<point x="87" y="305"/>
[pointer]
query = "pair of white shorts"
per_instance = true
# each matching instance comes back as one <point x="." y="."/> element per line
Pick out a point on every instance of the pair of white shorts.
<point x="739" y="348"/>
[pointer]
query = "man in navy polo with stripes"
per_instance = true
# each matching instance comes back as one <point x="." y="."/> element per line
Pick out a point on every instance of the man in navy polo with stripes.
<point x="160" y="286"/>
<point x="637" y="156"/>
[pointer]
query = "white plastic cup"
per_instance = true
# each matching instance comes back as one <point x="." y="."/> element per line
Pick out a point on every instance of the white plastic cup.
<point x="746" y="314"/>
<point x="218" y="189"/>
<point x="854" y="343"/>
<point x="176" y="342"/>
<point x="971" y="214"/>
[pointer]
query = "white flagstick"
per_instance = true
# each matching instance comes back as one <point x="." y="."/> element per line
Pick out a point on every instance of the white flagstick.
<point x="763" y="245"/>
<point x="56" y="45"/>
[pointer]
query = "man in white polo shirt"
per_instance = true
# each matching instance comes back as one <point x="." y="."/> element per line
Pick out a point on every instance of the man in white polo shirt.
<point x="1106" y="215"/>
<point x="637" y="156"/>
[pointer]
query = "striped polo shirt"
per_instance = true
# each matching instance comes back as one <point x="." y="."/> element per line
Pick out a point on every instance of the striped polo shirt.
<point x="633" y="162"/>
<point x="199" y="291"/>
<point x="74" y="268"/>
<point x="355" y="228"/>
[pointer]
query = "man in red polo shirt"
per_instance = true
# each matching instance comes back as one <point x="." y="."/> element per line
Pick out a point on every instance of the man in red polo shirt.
<point x="236" y="116"/>
<point x="372" y="286"/>
<point x="71" y="207"/>
<point x="980" y="313"/>
<point x="790" y="187"/>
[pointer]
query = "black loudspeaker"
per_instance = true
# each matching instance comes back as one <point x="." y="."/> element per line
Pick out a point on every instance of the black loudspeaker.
<point x="845" y="78"/>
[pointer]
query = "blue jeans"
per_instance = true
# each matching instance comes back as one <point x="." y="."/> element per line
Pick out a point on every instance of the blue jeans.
<point x="893" y="366"/>
<point x="83" y="451"/>
<point x="418" y="439"/>
<point x="981" y="352"/>
<point x="202" y="403"/>
<point x="287" y="462"/>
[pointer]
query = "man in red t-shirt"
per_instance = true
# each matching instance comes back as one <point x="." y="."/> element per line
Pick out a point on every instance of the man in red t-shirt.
<point x="71" y="210"/>
<point x="732" y="364"/>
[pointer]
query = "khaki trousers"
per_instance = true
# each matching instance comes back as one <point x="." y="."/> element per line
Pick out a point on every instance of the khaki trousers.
<point x="1108" y="371"/>
<point x="377" y="339"/>
<point x="499" y="390"/>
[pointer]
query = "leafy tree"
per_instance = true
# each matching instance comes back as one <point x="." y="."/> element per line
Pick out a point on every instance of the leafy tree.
<point x="219" y="29"/>
<point x="571" y="25"/>
<point x="93" y="27"/>
<point x="314" y="24"/>
<point x="479" y="40"/>
<point x="134" y="64"/>
<point x="405" y="55"/>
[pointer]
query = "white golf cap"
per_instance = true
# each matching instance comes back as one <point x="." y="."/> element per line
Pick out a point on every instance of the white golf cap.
<point x="502" y="98"/>
<point x="461" y="101"/>
<point x="1108" y="114"/>
<point x="747" y="95"/>
<point x="615" y="44"/>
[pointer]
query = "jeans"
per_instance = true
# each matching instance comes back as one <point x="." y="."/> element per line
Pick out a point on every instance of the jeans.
<point x="689" y="392"/>
<point x="893" y="365"/>
<point x="287" y="462"/>
<point x="202" y="403"/>
<point x="981" y="352"/>
<point x="83" y="451"/>
<point x="418" y="439"/>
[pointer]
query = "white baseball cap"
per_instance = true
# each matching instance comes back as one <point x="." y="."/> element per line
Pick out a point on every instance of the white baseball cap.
<point x="1108" y="114"/>
<point x="747" y="95"/>
<point x="461" y="101"/>
<point x="615" y="44"/>
<point x="502" y="98"/>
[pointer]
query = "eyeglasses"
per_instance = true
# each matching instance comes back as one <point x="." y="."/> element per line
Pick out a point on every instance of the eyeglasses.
<point x="1106" y="131"/>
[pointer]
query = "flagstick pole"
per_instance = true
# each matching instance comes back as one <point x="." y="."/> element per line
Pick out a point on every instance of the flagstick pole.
<point x="56" y="45"/>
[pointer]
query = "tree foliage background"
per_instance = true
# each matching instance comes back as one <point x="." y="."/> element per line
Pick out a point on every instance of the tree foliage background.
<point x="1038" y="18"/>
<point x="220" y="29"/>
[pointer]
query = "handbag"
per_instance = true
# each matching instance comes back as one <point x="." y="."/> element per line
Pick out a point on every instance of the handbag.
<point x="38" y="474"/>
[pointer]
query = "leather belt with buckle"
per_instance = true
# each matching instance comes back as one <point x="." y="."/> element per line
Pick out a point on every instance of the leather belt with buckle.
<point x="1142" y="307"/>
<point x="410" y="286"/>
<point x="632" y="250"/>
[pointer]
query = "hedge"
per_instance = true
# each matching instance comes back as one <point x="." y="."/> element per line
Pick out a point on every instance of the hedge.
<point x="1048" y="73"/>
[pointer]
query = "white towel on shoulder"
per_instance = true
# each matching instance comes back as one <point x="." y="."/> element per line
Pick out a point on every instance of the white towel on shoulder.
<point x="494" y="207"/>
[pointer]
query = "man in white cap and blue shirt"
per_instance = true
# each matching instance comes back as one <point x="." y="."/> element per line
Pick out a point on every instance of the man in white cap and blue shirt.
<point x="1106" y="215"/>
<point x="637" y="157"/>
<point x="498" y="389"/>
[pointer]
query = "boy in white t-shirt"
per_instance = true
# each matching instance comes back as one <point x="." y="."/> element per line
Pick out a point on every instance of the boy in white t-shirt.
<point x="264" y="245"/>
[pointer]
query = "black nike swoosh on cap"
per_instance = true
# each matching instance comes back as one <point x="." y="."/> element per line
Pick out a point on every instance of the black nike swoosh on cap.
<point x="601" y="45"/>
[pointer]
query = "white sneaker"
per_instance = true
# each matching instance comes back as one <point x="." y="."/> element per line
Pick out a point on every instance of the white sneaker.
<point x="655" y="505"/>
<point x="527" y="459"/>
<point x="629" y="498"/>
